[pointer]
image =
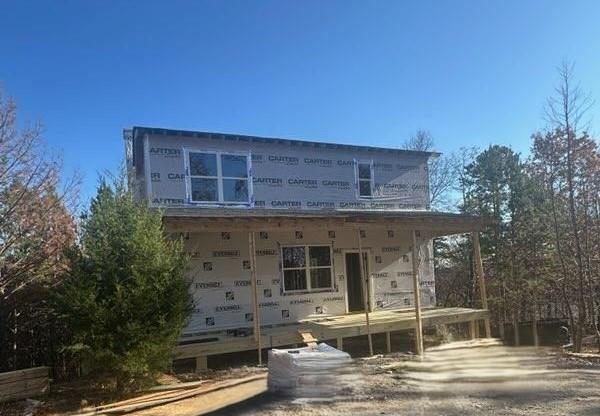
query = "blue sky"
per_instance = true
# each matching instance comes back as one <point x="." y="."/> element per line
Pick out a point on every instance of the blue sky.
<point x="368" y="72"/>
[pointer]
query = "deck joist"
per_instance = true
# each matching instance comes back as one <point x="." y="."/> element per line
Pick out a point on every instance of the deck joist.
<point x="331" y="327"/>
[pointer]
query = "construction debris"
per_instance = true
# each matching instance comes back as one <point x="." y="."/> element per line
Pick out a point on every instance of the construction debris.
<point x="227" y="392"/>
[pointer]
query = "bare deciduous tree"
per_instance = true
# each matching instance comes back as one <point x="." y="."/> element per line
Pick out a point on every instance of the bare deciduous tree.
<point x="442" y="170"/>
<point x="568" y="160"/>
<point x="35" y="222"/>
<point x="421" y="141"/>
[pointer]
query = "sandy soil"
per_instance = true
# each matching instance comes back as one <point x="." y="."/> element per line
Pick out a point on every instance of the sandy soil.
<point x="497" y="380"/>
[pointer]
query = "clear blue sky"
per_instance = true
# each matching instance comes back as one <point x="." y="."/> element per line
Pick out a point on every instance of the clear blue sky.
<point x="368" y="72"/>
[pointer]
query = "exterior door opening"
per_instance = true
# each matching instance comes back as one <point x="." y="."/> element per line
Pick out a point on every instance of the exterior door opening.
<point x="355" y="281"/>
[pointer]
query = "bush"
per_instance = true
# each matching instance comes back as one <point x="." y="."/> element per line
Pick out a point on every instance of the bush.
<point x="126" y="298"/>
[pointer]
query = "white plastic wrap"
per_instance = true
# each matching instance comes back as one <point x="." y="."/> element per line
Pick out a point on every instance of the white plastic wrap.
<point x="322" y="371"/>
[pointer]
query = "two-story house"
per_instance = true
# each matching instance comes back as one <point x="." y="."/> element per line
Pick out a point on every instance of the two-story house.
<point x="276" y="228"/>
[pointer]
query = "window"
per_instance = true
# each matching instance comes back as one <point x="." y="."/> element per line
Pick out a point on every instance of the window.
<point x="364" y="174"/>
<point x="306" y="268"/>
<point x="219" y="177"/>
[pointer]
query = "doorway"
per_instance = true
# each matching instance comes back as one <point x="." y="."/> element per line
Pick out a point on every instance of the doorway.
<point x="356" y="297"/>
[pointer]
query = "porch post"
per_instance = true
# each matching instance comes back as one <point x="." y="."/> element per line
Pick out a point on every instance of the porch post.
<point x="481" y="279"/>
<point x="417" y="294"/>
<point x="365" y="280"/>
<point x="534" y="329"/>
<point x="253" y="282"/>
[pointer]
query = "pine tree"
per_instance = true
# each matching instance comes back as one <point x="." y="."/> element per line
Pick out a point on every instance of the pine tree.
<point x="126" y="298"/>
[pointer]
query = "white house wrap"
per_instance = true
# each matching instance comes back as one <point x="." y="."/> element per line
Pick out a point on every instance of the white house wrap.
<point x="302" y="272"/>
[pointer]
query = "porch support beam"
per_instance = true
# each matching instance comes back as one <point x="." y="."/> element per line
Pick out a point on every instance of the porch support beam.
<point x="472" y="329"/>
<point x="417" y="295"/>
<point x="481" y="279"/>
<point x="388" y="341"/>
<point x="254" y="284"/>
<point x="534" y="328"/>
<point x="340" y="343"/>
<point x="365" y="279"/>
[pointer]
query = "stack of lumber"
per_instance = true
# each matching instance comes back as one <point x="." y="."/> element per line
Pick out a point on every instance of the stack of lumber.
<point x="196" y="397"/>
<point x="22" y="384"/>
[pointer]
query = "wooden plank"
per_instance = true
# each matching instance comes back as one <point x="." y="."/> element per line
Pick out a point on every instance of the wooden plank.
<point x="210" y="401"/>
<point x="388" y="341"/>
<point x="177" y="386"/>
<point x="256" y="315"/>
<point x="307" y="337"/>
<point x="365" y="290"/>
<point x="159" y="406"/>
<point x="417" y="295"/>
<point x="24" y="389"/>
<point x="534" y="329"/>
<point x="481" y="279"/>
<point x="516" y="330"/>
<point x="201" y="363"/>
<point x="334" y="327"/>
<point x="25" y="374"/>
<point x="472" y="329"/>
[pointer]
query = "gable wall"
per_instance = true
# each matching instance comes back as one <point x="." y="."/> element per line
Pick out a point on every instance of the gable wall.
<point x="292" y="176"/>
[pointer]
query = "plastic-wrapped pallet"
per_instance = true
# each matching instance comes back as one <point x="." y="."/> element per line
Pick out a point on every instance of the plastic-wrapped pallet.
<point x="320" y="371"/>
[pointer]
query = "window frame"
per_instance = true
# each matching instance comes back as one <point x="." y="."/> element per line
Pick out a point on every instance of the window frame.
<point x="307" y="268"/>
<point x="358" y="180"/>
<point x="220" y="177"/>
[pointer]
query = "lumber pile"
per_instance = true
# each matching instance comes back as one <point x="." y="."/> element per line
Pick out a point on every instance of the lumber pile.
<point x="22" y="384"/>
<point x="163" y="401"/>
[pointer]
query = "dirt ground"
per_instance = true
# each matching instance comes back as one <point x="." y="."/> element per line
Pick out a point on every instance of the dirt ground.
<point x="453" y="379"/>
<point x="498" y="381"/>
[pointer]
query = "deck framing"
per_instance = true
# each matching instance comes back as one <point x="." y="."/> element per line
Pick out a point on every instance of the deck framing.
<point x="329" y="328"/>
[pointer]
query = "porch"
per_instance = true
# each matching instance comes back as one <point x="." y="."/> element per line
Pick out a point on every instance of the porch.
<point x="418" y="226"/>
<point x="330" y="328"/>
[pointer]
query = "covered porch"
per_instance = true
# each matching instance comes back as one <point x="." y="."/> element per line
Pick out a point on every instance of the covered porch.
<point x="421" y="226"/>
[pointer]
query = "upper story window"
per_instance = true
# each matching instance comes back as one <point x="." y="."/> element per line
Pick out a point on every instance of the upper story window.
<point x="306" y="268"/>
<point x="217" y="177"/>
<point x="365" y="179"/>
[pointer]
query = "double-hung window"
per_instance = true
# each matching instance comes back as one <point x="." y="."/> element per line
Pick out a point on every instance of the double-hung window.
<point x="219" y="177"/>
<point x="306" y="268"/>
<point x="365" y="179"/>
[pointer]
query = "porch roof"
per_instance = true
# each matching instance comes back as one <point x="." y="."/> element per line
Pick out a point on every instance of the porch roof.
<point x="436" y="223"/>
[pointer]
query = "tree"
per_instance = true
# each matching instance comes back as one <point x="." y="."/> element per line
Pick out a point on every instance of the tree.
<point x="126" y="298"/>
<point x="421" y="141"/>
<point x="567" y="162"/>
<point x="35" y="222"/>
<point x="36" y="226"/>
<point x="441" y="168"/>
<point x="491" y="190"/>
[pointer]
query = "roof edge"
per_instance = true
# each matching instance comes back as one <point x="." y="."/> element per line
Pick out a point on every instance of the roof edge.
<point x="261" y="139"/>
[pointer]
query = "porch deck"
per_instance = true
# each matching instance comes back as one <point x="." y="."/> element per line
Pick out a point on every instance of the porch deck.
<point x="327" y="328"/>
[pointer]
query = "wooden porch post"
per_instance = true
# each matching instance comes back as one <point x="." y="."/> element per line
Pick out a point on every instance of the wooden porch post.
<point x="365" y="280"/>
<point x="534" y="329"/>
<point x="253" y="282"/>
<point x="417" y="294"/>
<point x="481" y="279"/>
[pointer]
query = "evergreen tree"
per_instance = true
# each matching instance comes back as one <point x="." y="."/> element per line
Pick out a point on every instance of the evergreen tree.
<point x="126" y="298"/>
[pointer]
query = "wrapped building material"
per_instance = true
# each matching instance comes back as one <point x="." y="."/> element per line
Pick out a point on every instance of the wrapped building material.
<point x="320" y="371"/>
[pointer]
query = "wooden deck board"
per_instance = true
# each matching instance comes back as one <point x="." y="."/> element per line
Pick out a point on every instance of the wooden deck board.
<point x="333" y="327"/>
